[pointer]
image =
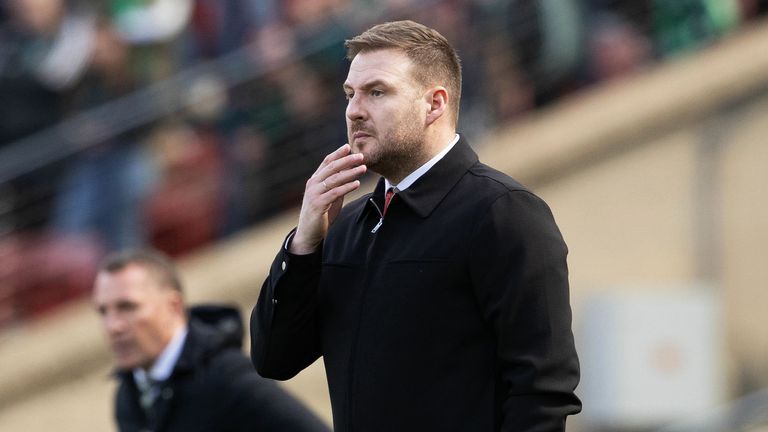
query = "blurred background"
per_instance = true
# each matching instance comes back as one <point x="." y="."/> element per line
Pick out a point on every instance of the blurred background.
<point x="191" y="126"/>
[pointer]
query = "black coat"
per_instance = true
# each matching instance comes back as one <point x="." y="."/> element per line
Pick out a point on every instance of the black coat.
<point x="453" y="316"/>
<point x="213" y="387"/>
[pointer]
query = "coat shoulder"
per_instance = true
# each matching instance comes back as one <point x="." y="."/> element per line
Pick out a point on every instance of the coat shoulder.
<point x="484" y="173"/>
<point x="493" y="181"/>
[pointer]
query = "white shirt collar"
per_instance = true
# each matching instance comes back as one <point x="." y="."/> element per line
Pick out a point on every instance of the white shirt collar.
<point x="163" y="366"/>
<point x="420" y="171"/>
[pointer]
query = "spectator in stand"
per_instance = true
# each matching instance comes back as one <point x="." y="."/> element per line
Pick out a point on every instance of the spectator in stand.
<point x="682" y="26"/>
<point x="545" y="45"/>
<point x="216" y="28"/>
<point x="44" y="50"/>
<point x="152" y="30"/>
<point x="45" y="46"/>
<point x="615" y="48"/>
<point x="105" y="185"/>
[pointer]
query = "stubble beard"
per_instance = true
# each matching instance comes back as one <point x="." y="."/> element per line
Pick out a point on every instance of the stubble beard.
<point x="398" y="152"/>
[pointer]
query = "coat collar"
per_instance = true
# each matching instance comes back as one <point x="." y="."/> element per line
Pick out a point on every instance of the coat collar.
<point x="430" y="189"/>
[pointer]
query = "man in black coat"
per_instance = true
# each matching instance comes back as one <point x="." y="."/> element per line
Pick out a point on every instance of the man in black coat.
<point x="179" y="371"/>
<point x="440" y="301"/>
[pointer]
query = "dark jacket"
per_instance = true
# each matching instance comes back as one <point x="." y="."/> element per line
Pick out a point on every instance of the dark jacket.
<point x="453" y="316"/>
<point x="213" y="387"/>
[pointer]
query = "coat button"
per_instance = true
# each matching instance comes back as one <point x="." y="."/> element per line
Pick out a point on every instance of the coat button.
<point x="283" y="265"/>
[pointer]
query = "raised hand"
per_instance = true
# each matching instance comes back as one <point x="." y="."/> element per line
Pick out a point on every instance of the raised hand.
<point x="324" y="193"/>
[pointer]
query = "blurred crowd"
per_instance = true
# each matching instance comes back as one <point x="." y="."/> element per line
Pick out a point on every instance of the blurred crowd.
<point x="240" y="150"/>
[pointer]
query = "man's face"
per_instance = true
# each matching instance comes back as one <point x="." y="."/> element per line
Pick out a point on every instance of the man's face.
<point x="138" y="315"/>
<point x="386" y="111"/>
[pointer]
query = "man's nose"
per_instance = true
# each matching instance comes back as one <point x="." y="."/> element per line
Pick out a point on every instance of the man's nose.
<point x="113" y="323"/>
<point x="355" y="110"/>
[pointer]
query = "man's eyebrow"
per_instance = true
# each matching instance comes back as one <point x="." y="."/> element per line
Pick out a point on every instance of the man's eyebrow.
<point x="369" y="85"/>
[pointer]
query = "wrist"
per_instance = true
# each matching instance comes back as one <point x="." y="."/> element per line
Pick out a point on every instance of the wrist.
<point x="301" y="246"/>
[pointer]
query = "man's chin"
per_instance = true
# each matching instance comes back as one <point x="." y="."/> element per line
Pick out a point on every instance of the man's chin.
<point x="128" y="362"/>
<point x="357" y="146"/>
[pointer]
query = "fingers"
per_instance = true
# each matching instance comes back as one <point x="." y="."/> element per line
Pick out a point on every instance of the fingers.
<point x="330" y="170"/>
<point x="336" y="176"/>
<point x="340" y="178"/>
<point x="341" y="190"/>
<point x="335" y="155"/>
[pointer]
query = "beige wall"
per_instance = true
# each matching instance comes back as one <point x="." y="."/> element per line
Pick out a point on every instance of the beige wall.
<point x="745" y="238"/>
<point x="627" y="219"/>
<point x="631" y="220"/>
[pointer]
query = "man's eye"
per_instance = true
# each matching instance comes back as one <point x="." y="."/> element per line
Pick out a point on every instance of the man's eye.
<point x="127" y="307"/>
<point x="376" y="93"/>
<point x="348" y="96"/>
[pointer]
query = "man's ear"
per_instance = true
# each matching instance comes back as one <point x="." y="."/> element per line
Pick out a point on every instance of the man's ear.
<point x="437" y="103"/>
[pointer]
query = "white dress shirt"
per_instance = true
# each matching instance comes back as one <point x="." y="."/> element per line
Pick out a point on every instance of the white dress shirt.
<point x="163" y="366"/>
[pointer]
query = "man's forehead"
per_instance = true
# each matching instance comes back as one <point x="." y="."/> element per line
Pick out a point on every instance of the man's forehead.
<point x="131" y="280"/>
<point x="385" y="65"/>
<point x="106" y="293"/>
<point x="131" y="272"/>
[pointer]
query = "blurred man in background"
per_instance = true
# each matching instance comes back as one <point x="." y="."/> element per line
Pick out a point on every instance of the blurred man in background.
<point x="181" y="371"/>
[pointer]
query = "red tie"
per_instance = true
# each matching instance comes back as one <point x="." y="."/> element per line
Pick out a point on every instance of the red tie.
<point x="388" y="199"/>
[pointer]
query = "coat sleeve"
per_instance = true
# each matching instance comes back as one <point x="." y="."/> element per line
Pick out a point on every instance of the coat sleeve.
<point x="285" y="337"/>
<point x="520" y="277"/>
